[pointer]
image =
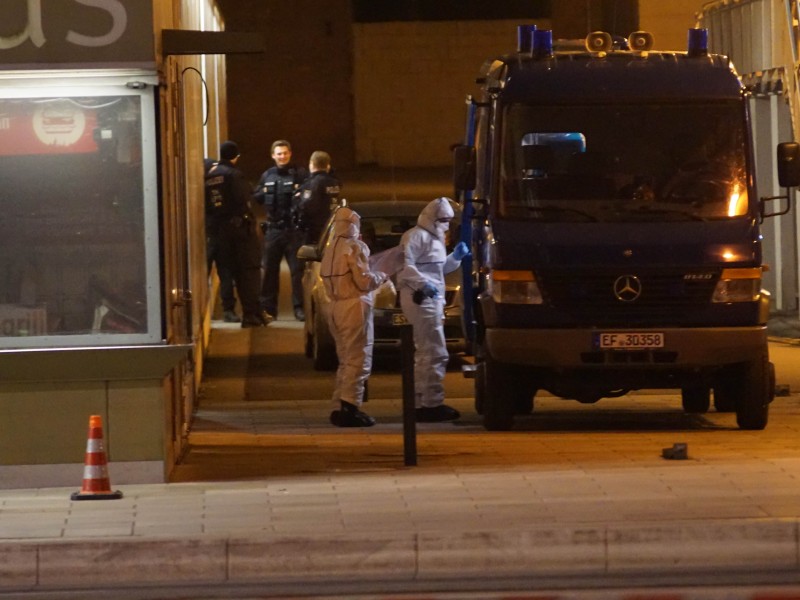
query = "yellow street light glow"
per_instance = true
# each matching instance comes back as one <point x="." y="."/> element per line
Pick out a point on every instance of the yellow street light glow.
<point x="513" y="276"/>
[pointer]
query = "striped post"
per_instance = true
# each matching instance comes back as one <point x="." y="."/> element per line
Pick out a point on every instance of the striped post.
<point x="96" y="484"/>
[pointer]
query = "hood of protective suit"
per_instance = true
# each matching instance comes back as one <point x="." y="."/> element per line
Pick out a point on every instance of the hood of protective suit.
<point x="346" y="223"/>
<point x="436" y="209"/>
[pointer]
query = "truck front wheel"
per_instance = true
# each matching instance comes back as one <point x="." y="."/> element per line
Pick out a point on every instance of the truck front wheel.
<point x="696" y="399"/>
<point x="727" y="389"/>
<point x="523" y="401"/>
<point x="756" y="391"/>
<point x="501" y="394"/>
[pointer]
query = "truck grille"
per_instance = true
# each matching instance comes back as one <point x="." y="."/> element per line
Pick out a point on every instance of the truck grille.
<point x="590" y="294"/>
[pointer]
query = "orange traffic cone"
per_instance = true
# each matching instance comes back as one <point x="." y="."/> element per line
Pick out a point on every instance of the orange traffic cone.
<point x="96" y="485"/>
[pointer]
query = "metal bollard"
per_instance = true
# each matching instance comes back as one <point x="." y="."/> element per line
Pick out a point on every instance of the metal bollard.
<point x="409" y="416"/>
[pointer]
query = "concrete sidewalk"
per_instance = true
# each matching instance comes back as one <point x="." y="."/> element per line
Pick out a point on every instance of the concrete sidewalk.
<point x="340" y="509"/>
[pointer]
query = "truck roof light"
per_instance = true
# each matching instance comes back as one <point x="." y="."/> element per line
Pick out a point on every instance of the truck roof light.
<point x="599" y="41"/>
<point x="542" y="43"/>
<point x="640" y="41"/>
<point x="698" y="42"/>
<point x="525" y="38"/>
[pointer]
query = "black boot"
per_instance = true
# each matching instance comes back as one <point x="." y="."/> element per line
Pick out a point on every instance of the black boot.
<point x="351" y="416"/>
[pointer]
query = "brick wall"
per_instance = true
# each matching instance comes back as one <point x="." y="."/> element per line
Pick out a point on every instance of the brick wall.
<point x="668" y="21"/>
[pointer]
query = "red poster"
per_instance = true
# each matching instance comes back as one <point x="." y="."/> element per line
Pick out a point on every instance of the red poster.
<point x="46" y="127"/>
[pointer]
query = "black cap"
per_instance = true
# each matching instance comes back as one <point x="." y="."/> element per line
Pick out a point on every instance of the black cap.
<point x="228" y="150"/>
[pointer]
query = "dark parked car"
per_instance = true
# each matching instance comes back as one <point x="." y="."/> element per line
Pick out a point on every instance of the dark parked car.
<point x="382" y="225"/>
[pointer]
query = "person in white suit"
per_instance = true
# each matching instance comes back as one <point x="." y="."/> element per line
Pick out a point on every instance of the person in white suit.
<point x="350" y="283"/>
<point x="422" y="296"/>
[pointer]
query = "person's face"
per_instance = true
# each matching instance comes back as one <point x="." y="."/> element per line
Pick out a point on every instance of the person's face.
<point x="282" y="155"/>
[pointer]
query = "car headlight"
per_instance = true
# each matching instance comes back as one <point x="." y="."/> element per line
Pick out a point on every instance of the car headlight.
<point x="738" y="285"/>
<point x="514" y="287"/>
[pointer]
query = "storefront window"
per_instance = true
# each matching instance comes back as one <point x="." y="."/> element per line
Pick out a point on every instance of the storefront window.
<point x="78" y="218"/>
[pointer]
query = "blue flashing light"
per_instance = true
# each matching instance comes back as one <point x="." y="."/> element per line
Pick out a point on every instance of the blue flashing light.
<point x="698" y="42"/>
<point x="525" y="37"/>
<point x="542" y="43"/>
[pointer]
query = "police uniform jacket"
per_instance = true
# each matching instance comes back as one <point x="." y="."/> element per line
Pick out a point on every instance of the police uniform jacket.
<point x="319" y="192"/>
<point x="227" y="196"/>
<point x="276" y="191"/>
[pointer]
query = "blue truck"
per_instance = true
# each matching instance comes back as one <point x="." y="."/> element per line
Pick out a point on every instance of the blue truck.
<point x="609" y="197"/>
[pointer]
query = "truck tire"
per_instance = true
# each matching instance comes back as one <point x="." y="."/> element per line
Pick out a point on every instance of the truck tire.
<point x="724" y="399"/>
<point x="696" y="399"/>
<point x="499" y="395"/>
<point x="524" y="404"/>
<point x="752" y="404"/>
<point x="727" y="389"/>
<point x="480" y="387"/>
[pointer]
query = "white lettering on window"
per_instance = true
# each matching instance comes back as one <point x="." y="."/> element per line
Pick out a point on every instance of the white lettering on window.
<point x="32" y="31"/>
<point x="120" y="22"/>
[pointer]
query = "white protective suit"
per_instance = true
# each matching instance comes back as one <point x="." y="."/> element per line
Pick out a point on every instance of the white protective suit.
<point x="427" y="262"/>
<point x="349" y="284"/>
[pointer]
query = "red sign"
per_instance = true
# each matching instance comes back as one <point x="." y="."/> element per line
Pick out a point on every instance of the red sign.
<point x="46" y="127"/>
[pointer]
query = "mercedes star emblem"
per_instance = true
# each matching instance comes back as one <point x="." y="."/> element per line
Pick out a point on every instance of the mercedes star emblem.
<point x="627" y="288"/>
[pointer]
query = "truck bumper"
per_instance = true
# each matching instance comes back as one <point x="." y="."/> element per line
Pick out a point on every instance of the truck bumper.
<point x="577" y="348"/>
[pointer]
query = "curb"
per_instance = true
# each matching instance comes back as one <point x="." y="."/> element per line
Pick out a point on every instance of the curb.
<point x="664" y="550"/>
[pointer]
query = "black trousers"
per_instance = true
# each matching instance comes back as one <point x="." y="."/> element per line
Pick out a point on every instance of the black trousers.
<point x="280" y="244"/>
<point x="238" y="251"/>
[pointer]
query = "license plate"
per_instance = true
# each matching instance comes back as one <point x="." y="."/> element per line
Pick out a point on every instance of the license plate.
<point x="629" y="340"/>
<point x="399" y="319"/>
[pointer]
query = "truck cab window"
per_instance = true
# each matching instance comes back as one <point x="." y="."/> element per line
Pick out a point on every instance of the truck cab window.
<point x="624" y="162"/>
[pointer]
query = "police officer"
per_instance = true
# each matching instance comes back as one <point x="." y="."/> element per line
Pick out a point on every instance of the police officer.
<point x="230" y="222"/>
<point x="318" y="195"/>
<point x="223" y="270"/>
<point x="277" y="191"/>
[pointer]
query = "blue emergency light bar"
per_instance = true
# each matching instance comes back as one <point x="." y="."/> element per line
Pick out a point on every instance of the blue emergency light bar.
<point x="698" y="42"/>
<point x="525" y="37"/>
<point x="542" y="43"/>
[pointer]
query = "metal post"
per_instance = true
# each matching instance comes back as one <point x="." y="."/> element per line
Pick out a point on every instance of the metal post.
<point x="409" y="416"/>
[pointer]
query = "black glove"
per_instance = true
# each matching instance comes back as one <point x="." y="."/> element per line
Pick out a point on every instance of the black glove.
<point x="427" y="291"/>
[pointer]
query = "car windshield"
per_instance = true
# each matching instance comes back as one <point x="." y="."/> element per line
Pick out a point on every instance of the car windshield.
<point x="384" y="232"/>
<point x="624" y="163"/>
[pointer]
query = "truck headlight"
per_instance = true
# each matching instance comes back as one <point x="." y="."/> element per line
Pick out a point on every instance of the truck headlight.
<point x="514" y="287"/>
<point x="738" y="285"/>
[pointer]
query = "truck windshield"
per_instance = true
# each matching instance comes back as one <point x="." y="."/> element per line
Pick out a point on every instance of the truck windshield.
<point x="634" y="162"/>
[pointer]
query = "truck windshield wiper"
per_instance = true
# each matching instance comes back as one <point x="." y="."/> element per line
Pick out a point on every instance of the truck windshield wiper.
<point x="562" y="209"/>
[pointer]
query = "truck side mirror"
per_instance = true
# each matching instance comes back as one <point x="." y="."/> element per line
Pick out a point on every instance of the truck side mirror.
<point x="788" y="177"/>
<point x="464" y="167"/>
<point x="789" y="164"/>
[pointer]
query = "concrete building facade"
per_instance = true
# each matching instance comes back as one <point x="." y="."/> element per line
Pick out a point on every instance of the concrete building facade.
<point x="388" y="94"/>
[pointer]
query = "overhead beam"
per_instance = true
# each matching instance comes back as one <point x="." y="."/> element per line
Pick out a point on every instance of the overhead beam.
<point x="181" y="41"/>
